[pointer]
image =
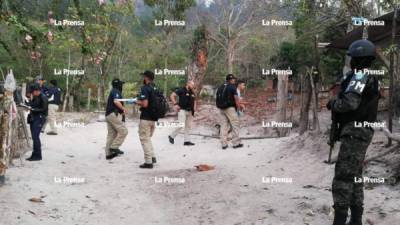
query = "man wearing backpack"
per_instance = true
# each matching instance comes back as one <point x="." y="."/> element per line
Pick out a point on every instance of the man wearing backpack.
<point x="228" y="102"/>
<point x="147" y="118"/>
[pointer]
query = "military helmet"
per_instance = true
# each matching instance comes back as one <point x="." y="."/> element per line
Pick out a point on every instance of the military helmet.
<point x="362" y="48"/>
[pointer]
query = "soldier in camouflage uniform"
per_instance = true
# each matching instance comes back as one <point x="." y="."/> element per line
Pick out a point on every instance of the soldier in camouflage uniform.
<point x="356" y="103"/>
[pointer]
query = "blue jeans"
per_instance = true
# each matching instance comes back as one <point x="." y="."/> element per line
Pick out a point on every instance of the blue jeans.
<point x="36" y="126"/>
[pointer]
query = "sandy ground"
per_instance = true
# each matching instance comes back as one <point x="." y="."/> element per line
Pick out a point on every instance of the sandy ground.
<point x="236" y="192"/>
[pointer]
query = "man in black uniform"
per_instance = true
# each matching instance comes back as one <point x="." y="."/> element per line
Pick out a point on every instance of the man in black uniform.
<point x="229" y="103"/>
<point x="42" y="84"/>
<point x="45" y="90"/>
<point x="147" y="119"/>
<point x="54" y="97"/>
<point x="356" y="104"/>
<point x="185" y="109"/>
<point x="38" y="112"/>
<point x="115" y="118"/>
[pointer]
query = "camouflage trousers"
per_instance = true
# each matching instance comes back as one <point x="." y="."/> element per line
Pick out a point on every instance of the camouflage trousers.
<point x="349" y="166"/>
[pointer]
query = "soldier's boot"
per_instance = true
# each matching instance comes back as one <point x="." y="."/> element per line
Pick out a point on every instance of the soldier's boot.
<point x="340" y="216"/>
<point x="356" y="215"/>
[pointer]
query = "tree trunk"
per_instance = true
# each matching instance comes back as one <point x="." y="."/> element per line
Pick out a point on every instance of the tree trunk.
<point x="165" y="77"/>
<point x="67" y="89"/>
<point x="281" y="105"/>
<point x="102" y="85"/>
<point x="77" y="88"/>
<point x="314" y="95"/>
<point x="197" y="69"/>
<point x="88" y="99"/>
<point x="392" y="75"/>
<point x="305" y="104"/>
<point x="230" y="56"/>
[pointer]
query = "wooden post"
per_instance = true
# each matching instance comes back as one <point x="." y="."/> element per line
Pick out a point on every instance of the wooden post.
<point x="88" y="101"/>
<point x="281" y="105"/>
<point x="6" y="100"/>
<point x="316" y="126"/>
<point x="392" y="74"/>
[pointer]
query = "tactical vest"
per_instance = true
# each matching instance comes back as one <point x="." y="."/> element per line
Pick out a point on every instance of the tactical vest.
<point x="368" y="108"/>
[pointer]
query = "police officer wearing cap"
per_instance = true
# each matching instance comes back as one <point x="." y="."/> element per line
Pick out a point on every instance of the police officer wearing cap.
<point x="148" y="120"/>
<point x="42" y="84"/>
<point x="229" y="103"/>
<point x="36" y="117"/>
<point x="355" y="104"/>
<point x="115" y="118"/>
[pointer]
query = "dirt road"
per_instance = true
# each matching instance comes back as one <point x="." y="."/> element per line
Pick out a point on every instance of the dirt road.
<point x="264" y="183"/>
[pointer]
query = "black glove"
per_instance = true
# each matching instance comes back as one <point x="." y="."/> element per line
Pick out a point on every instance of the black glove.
<point x="330" y="104"/>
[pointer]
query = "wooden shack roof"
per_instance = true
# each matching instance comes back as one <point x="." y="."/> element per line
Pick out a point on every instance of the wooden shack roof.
<point x="379" y="35"/>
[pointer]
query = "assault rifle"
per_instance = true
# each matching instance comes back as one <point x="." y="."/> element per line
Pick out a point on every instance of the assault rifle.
<point x="333" y="136"/>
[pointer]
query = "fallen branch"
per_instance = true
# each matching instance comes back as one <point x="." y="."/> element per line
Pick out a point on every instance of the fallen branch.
<point x="393" y="149"/>
<point x="390" y="135"/>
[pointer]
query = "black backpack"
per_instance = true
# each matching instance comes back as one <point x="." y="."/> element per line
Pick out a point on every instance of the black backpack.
<point x="158" y="103"/>
<point x="222" y="99"/>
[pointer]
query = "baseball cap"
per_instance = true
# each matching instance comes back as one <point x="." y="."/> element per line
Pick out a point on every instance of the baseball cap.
<point x="34" y="87"/>
<point x="148" y="74"/>
<point x="39" y="77"/>
<point x="230" y="77"/>
<point x="53" y="82"/>
<point x="116" y="82"/>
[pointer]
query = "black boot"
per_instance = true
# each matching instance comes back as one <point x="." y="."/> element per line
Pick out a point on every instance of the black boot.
<point x="356" y="215"/>
<point x="188" y="143"/>
<point x="116" y="150"/>
<point x="153" y="160"/>
<point x="238" y="146"/>
<point x="171" y="140"/>
<point x="340" y="216"/>
<point x="34" y="158"/>
<point x="146" y="166"/>
<point x="111" y="156"/>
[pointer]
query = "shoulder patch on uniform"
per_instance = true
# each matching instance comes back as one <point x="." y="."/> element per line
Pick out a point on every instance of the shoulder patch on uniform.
<point x="357" y="83"/>
<point x="359" y="75"/>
